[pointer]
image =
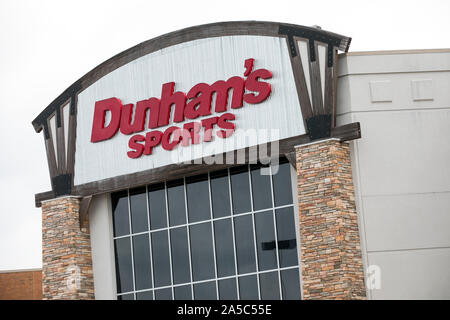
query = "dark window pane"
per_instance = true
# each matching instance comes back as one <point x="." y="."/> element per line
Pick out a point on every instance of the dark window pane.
<point x="227" y="289"/>
<point x="282" y="188"/>
<point x="157" y="205"/>
<point x="138" y="209"/>
<point x="161" y="258"/>
<point x="183" y="292"/>
<point x="163" y="294"/>
<point x="180" y="255"/>
<point x="265" y="240"/>
<point x="145" y="295"/>
<point x="129" y="296"/>
<point x="142" y="263"/>
<point x="124" y="271"/>
<point x="287" y="240"/>
<point x="120" y="213"/>
<point x="202" y="251"/>
<point x="245" y="247"/>
<point x="205" y="291"/>
<point x="197" y="191"/>
<point x="262" y="195"/>
<point x="220" y="194"/>
<point x="270" y="286"/>
<point x="248" y="288"/>
<point x="240" y="189"/>
<point x="290" y="284"/>
<point x="175" y="197"/>
<point x="224" y="248"/>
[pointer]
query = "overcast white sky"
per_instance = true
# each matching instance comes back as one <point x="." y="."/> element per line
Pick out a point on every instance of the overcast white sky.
<point x="47" y="45"/>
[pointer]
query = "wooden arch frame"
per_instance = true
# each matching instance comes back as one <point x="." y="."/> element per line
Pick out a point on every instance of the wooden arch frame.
<point x="318" y="110"/>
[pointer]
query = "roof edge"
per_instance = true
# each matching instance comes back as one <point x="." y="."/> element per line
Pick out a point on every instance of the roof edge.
<point x="391" y="52"/>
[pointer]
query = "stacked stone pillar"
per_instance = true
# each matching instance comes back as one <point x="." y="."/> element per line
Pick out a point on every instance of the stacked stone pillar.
<point x="66" y="252"/>
<point x="331" y="258"/>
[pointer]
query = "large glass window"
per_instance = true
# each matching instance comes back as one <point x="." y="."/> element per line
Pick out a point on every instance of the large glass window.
<point x="228" y="234"/>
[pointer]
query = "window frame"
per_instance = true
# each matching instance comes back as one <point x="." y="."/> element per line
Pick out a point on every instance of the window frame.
<point x="231" y="216"/>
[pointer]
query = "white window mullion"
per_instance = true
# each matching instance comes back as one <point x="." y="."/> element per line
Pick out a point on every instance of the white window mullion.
<point x="131" y="241"/>
<point x="213" y="236"/>
<point x="168" y="238"/>
<point x="254" y="229"/>
<point x="232" y="230"/>
<point x="188" y="238"/>
<point x="276" y="233"/>
<point x="147" y="198"/>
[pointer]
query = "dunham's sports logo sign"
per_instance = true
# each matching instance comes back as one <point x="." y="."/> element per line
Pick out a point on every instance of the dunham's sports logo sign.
<point x="198" y="102"/>
<point x="190" y="96"/>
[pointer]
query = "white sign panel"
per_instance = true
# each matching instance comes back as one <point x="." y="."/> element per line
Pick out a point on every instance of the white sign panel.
<point x="187" y="65"/>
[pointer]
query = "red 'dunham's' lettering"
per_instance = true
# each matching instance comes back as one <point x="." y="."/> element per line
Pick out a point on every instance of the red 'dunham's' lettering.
<point x="154" y="113"/>
<point x="99" y="131"/>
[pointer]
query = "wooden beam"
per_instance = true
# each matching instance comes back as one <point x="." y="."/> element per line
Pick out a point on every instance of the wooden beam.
<point x="291" y="158"/>
<point x="60" y="150"/>
<point x="50" y="151"/>
<point x="316" y="84"/>
<point x="72" y="132"/>
<point x="203" y="165"/>
<point x="335" y="82"/>
<point x="300" y="83"/>
<point x="347" y="132"/>
<point x="84" y="210"/>
<point x="330" y="88"/>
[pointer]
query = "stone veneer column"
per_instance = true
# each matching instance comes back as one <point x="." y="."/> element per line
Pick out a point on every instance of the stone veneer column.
<point x="331" y="258"/>
<point x="66" y="252"/>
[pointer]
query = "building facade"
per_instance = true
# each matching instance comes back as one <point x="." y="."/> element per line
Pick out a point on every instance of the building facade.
<point x="401" y="99"/>
<point x="248" y="160"/>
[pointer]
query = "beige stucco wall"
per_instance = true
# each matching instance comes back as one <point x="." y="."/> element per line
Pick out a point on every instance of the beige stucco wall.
<point x="401" y="167"/>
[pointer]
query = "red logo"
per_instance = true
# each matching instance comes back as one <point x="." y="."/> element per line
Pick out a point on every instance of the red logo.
<point x="196" y="103"/>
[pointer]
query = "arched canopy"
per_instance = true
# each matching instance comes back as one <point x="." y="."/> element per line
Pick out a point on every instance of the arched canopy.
<point x="312" y="54"/>
<point x="220" y="29"/>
